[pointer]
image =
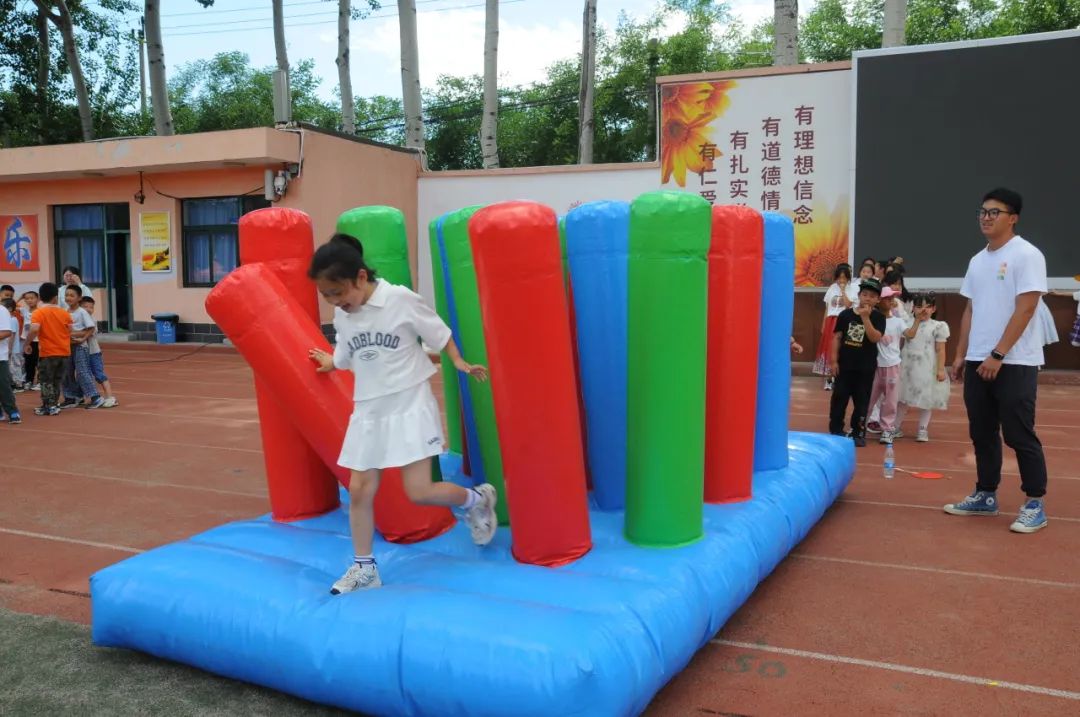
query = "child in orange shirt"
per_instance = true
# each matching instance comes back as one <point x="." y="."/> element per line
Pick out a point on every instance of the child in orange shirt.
<point x="51" y="326"/>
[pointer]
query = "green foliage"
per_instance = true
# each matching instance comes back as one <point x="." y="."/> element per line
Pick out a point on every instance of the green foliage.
<point x="538" y="123"/>
<point x="106" y="53"/>
<point x="836" y="28"/>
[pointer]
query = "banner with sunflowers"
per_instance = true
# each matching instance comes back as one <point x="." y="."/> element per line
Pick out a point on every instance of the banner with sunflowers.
<point x="777" y="143"/>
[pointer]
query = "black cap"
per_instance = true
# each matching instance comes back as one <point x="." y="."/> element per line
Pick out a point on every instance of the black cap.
<point x="871" y="285"/>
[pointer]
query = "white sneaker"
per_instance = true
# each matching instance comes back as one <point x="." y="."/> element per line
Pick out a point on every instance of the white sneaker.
<point x="357" y="577"/>
<point x="481" y="517"/>
<point x="886" y="438"/>
<point x="110" y="402"/>
<point x="922" y="437"/>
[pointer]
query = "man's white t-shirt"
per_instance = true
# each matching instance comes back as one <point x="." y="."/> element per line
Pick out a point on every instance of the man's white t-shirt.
<point x="380" y="341"/>
<point x="5" y="321"/>
<point x="993" y="281"/>
<point x="889" y="345"/>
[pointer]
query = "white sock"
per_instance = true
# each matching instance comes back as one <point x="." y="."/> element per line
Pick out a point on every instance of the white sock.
<point x="364" y="559"/>
<point x="924" y="419"/>
<point x="471" y="499"/>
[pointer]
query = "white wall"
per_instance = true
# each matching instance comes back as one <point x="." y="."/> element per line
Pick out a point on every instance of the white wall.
<point x="561" y="188"/>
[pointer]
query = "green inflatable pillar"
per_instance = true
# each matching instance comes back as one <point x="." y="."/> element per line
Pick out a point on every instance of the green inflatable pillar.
<point x="386" y="243"/>
<point x="459" y="258"/>
<point x="668" y="274"/>
<point x="451" y="396"/>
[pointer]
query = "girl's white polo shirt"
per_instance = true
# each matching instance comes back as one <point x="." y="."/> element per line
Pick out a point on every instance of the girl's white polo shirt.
<point x="380" y="341"/>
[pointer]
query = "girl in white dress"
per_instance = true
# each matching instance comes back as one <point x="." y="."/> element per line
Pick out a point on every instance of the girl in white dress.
<point x="924" y="382"/>
<point x="395" y="421"/>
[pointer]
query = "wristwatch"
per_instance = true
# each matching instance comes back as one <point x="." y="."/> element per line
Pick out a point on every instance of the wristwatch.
<point x="997" y="355"/>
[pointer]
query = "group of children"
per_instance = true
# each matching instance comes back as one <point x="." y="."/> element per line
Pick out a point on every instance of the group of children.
<point x="51" y="347"/>
<point x="882" y="350"/>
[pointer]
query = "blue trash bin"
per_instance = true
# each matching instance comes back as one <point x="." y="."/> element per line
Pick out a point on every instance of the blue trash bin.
<point x="165" y="326"/>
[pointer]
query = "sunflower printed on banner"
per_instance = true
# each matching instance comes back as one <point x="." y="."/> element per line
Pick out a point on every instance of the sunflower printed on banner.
<point x="821" y="245"/>
<point x="686" y="112"/>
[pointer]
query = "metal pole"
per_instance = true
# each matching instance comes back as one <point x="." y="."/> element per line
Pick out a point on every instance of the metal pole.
<point x="142" y="65"/>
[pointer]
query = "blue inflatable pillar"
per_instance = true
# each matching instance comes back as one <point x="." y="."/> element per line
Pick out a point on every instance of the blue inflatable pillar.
<point x="597" y="236"/>
<point x="774" y="353"/>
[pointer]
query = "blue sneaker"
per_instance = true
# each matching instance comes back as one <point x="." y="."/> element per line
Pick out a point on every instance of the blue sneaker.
<point x="15" y="419"/>
<point x="1032" y="517"/>
<point x="981" y="502"/>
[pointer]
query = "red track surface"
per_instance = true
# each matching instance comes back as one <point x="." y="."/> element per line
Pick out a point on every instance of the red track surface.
<point x="888" y="607"/>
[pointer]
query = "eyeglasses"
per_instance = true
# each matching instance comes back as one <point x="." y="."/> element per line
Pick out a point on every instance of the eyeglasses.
<point x="992" y="213"/>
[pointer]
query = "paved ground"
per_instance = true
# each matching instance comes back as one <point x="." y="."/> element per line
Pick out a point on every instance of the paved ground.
<point x="888" y="607"/>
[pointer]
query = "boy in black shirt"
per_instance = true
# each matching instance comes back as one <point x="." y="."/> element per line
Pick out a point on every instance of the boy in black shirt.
<point x="854" y="360"/>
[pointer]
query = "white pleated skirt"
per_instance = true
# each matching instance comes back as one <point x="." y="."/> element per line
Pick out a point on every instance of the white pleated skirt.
<point x="393" y="430"/>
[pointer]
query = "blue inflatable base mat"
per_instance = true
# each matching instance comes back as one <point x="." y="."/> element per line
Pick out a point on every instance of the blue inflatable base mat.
<point x="456" y="629"/>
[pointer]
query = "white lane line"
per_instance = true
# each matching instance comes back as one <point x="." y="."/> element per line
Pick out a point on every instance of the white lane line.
<point x="132" y="481"/>
<point x="941" y="571"/>
<point x="892" y="667"/>
<point x="960" y="470"/>
<point x="74" y="541"/>
<point x="143" y="440"/>
<point x="158" y="379"/>
<point x="179" y="416"/>
<point x="1050" y="516"/>
<point x="187" y="396"/>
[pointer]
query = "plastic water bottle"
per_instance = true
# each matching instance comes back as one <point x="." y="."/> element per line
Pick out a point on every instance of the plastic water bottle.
<point x="890" y="462"/>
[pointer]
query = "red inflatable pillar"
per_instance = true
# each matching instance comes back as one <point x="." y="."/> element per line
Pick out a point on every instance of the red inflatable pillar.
<point x="735" y="260"/>
<point x="275" y="344"/>
<point x="523" y="301"/>
<point x="299" y="482"/>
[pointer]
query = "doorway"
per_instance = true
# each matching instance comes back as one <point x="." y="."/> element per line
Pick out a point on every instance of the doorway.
<point x="97" y="239"/>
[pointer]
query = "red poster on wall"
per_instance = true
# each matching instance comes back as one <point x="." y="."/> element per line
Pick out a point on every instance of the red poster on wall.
<point x="20" y="232"/>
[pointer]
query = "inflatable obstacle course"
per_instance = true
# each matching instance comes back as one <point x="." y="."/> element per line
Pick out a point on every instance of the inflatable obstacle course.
<point x="571" y="610"/>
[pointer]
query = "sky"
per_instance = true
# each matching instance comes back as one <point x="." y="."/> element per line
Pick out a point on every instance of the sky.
<point x="532" y="35"/>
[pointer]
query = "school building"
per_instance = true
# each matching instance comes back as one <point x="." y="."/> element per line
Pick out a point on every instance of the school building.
<point x="151" y="222"/>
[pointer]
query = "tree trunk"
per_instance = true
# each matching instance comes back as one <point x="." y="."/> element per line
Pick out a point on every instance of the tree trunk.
<point x="159" y="89"/>
<point x="894" y="23"/>
<point x="588" y="79"/>
<point x="650" y="99"/>
<point x="410" y="77"/>
<point x="43" y="72"/>
<point x="489" y="124"/>
<point x="279" y="37"/>
<point x="786" y="30"/>
<point x="63" y="23"/>
<point x="348" y="112"/>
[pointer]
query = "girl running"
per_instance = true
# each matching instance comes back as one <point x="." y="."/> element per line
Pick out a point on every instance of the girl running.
<point x="395" y="421"/>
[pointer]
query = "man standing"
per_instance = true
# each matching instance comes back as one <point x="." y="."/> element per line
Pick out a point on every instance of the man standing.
<point x="997" y="357"/>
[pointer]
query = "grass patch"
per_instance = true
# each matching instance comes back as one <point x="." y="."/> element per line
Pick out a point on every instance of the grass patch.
<point x="50" y="667"/>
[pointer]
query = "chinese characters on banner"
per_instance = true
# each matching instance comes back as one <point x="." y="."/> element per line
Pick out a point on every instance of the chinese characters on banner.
<point x="777" y="143"/>
<point x="20" y="232"/>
